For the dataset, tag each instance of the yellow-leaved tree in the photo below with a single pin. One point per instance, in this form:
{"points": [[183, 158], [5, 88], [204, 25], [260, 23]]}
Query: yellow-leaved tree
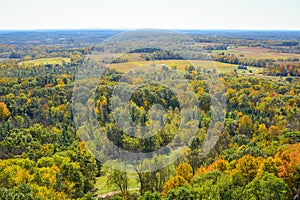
{"points": [[185, 170], [4, 112], [174, 182]]}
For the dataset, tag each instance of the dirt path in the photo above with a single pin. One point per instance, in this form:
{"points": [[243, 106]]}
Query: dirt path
{"points": [[110, 194]]}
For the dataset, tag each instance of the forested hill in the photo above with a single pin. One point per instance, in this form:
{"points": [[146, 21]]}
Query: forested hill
{"points": [[56, 37], [44, 155]]}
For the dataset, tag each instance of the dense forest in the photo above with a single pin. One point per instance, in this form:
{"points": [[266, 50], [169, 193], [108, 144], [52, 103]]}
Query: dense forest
{"points": [[43, 154]]}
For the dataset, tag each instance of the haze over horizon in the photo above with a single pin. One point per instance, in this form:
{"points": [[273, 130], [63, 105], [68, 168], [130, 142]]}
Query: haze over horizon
{"points": [[134, 14]]}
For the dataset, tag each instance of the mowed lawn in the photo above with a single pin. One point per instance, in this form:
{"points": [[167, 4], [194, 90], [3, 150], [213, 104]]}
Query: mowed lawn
{"points": [[44, 61], [103, 187]]}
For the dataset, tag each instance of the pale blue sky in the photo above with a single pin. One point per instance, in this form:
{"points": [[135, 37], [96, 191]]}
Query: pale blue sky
{"points": [[167, 14]]}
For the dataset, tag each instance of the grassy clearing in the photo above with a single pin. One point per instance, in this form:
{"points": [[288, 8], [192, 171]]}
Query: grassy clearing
{"points": [[103, 187], [43, 61], [255, 70], [219, 51], [126, 67], [180, 64], [114, 56]]}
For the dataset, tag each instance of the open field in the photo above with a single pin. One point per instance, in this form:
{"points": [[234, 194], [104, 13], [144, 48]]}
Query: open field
{"points": [[114, 56], [103, 187], [181, 65], [209, 44], [256, 53], [41, 61]]}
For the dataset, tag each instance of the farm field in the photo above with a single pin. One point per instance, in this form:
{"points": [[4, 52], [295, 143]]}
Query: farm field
{"points": [[181, 65], [44, 61], [256, 53]]}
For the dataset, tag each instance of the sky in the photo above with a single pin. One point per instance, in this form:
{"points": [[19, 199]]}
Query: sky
{"points": [[164, 14]]}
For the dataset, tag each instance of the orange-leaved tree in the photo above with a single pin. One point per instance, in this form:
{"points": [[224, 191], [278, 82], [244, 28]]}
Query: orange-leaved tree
{"points": [[289, 169]]}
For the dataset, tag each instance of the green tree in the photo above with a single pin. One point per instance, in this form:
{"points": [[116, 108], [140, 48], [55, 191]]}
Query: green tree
{"points": [[150, 196], [182, 193], [117, 178], [266, 187]]}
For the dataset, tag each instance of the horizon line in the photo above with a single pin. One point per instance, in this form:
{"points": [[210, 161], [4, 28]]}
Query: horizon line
{"points": [[128, 29]]}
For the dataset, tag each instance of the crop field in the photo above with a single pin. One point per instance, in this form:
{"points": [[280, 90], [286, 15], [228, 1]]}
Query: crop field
{"points": [[43, 61], [114, 56], [181, 65], [256, 53]]}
